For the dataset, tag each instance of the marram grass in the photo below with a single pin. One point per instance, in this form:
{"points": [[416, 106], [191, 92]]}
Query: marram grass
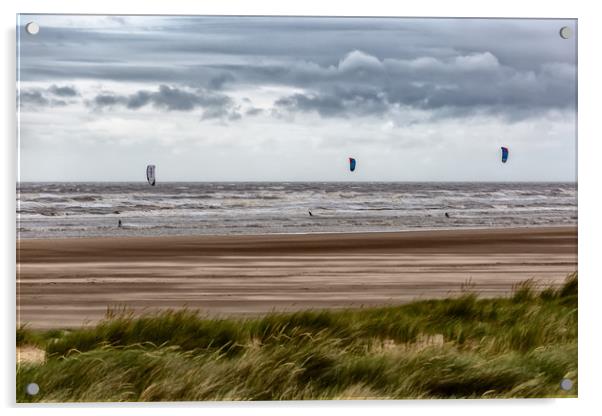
{"points": [[462, 347]]}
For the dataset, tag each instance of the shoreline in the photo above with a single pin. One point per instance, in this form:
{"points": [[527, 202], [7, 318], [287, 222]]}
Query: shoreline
{"points": [[316, 233], [70, 282]]}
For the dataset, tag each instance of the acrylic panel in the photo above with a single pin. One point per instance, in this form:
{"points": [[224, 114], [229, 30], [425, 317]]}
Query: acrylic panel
{"points": [[295, 208]]}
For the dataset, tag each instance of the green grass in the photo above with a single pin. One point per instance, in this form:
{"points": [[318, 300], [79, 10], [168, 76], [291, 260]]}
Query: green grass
{"points": [[519, 346]]}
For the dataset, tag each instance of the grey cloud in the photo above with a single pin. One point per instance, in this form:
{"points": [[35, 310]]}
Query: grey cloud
{"points": [[137, 100], [221, 113], [339, 103], [64, 91], [175, 45], [358, 61], [253, 111], [58, 103], [172, 99], [33, 98], [213, 113], [323, 105], [345, 66], [177, 99], [166, 98], [234, 115], [40, 97], [217, 83], [107, 100], [364, 85]]}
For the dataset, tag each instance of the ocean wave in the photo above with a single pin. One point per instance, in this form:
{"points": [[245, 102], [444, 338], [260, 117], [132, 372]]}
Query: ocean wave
{"points": [[84, 198], [93, 209]]}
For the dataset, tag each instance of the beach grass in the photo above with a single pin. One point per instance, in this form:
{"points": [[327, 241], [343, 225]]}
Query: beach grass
{"points": [[460, 347]]}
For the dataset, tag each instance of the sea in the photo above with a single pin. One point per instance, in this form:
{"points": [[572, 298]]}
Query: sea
{"points": [[69, 209]]}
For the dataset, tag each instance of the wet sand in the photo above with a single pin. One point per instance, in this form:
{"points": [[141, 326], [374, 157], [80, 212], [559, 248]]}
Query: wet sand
{"points": [[70, 282]]}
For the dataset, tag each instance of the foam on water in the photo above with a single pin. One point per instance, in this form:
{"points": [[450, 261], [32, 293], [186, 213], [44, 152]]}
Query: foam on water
{"points": [[48, 210]]}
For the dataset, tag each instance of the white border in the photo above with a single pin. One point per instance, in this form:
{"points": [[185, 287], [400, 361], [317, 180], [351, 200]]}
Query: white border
{"points": [[589, 187]]}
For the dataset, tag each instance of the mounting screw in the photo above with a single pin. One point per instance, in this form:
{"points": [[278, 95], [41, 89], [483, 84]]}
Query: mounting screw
{"points": [[32, 28]]}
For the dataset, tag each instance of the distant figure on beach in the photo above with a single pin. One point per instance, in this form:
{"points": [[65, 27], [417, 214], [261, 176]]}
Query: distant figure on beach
{"points": [[446, 215], [119, 224], [310, 214]]}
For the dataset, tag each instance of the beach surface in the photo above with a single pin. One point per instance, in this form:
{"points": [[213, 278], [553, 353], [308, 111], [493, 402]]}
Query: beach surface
{"points": [[72, 282]]}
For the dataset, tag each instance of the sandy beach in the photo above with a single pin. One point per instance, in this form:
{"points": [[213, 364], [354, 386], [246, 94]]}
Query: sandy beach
{"points": [[70, 282]]}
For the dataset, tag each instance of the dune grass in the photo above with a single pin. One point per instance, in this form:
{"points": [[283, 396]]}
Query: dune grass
{"points": [[518, 346]]}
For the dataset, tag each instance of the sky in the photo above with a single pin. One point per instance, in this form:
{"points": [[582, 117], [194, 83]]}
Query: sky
{"points": [[292, 98]]}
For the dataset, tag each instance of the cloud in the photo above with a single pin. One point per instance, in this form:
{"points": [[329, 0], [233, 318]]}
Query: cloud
{"points": [[323, 105], [460, 85], [64, 91], [339, 103], [35, 98], [174, 99], [108, 100], [218, 82], [137, 100], [358, 61], [165, 98], [221, 113], [477, 61], [254, 111], [361, 84], [460, 66], [40, 97], [214, 106]]}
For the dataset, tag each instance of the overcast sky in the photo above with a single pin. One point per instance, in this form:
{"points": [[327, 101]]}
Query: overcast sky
{"points": [[234, 98]]}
